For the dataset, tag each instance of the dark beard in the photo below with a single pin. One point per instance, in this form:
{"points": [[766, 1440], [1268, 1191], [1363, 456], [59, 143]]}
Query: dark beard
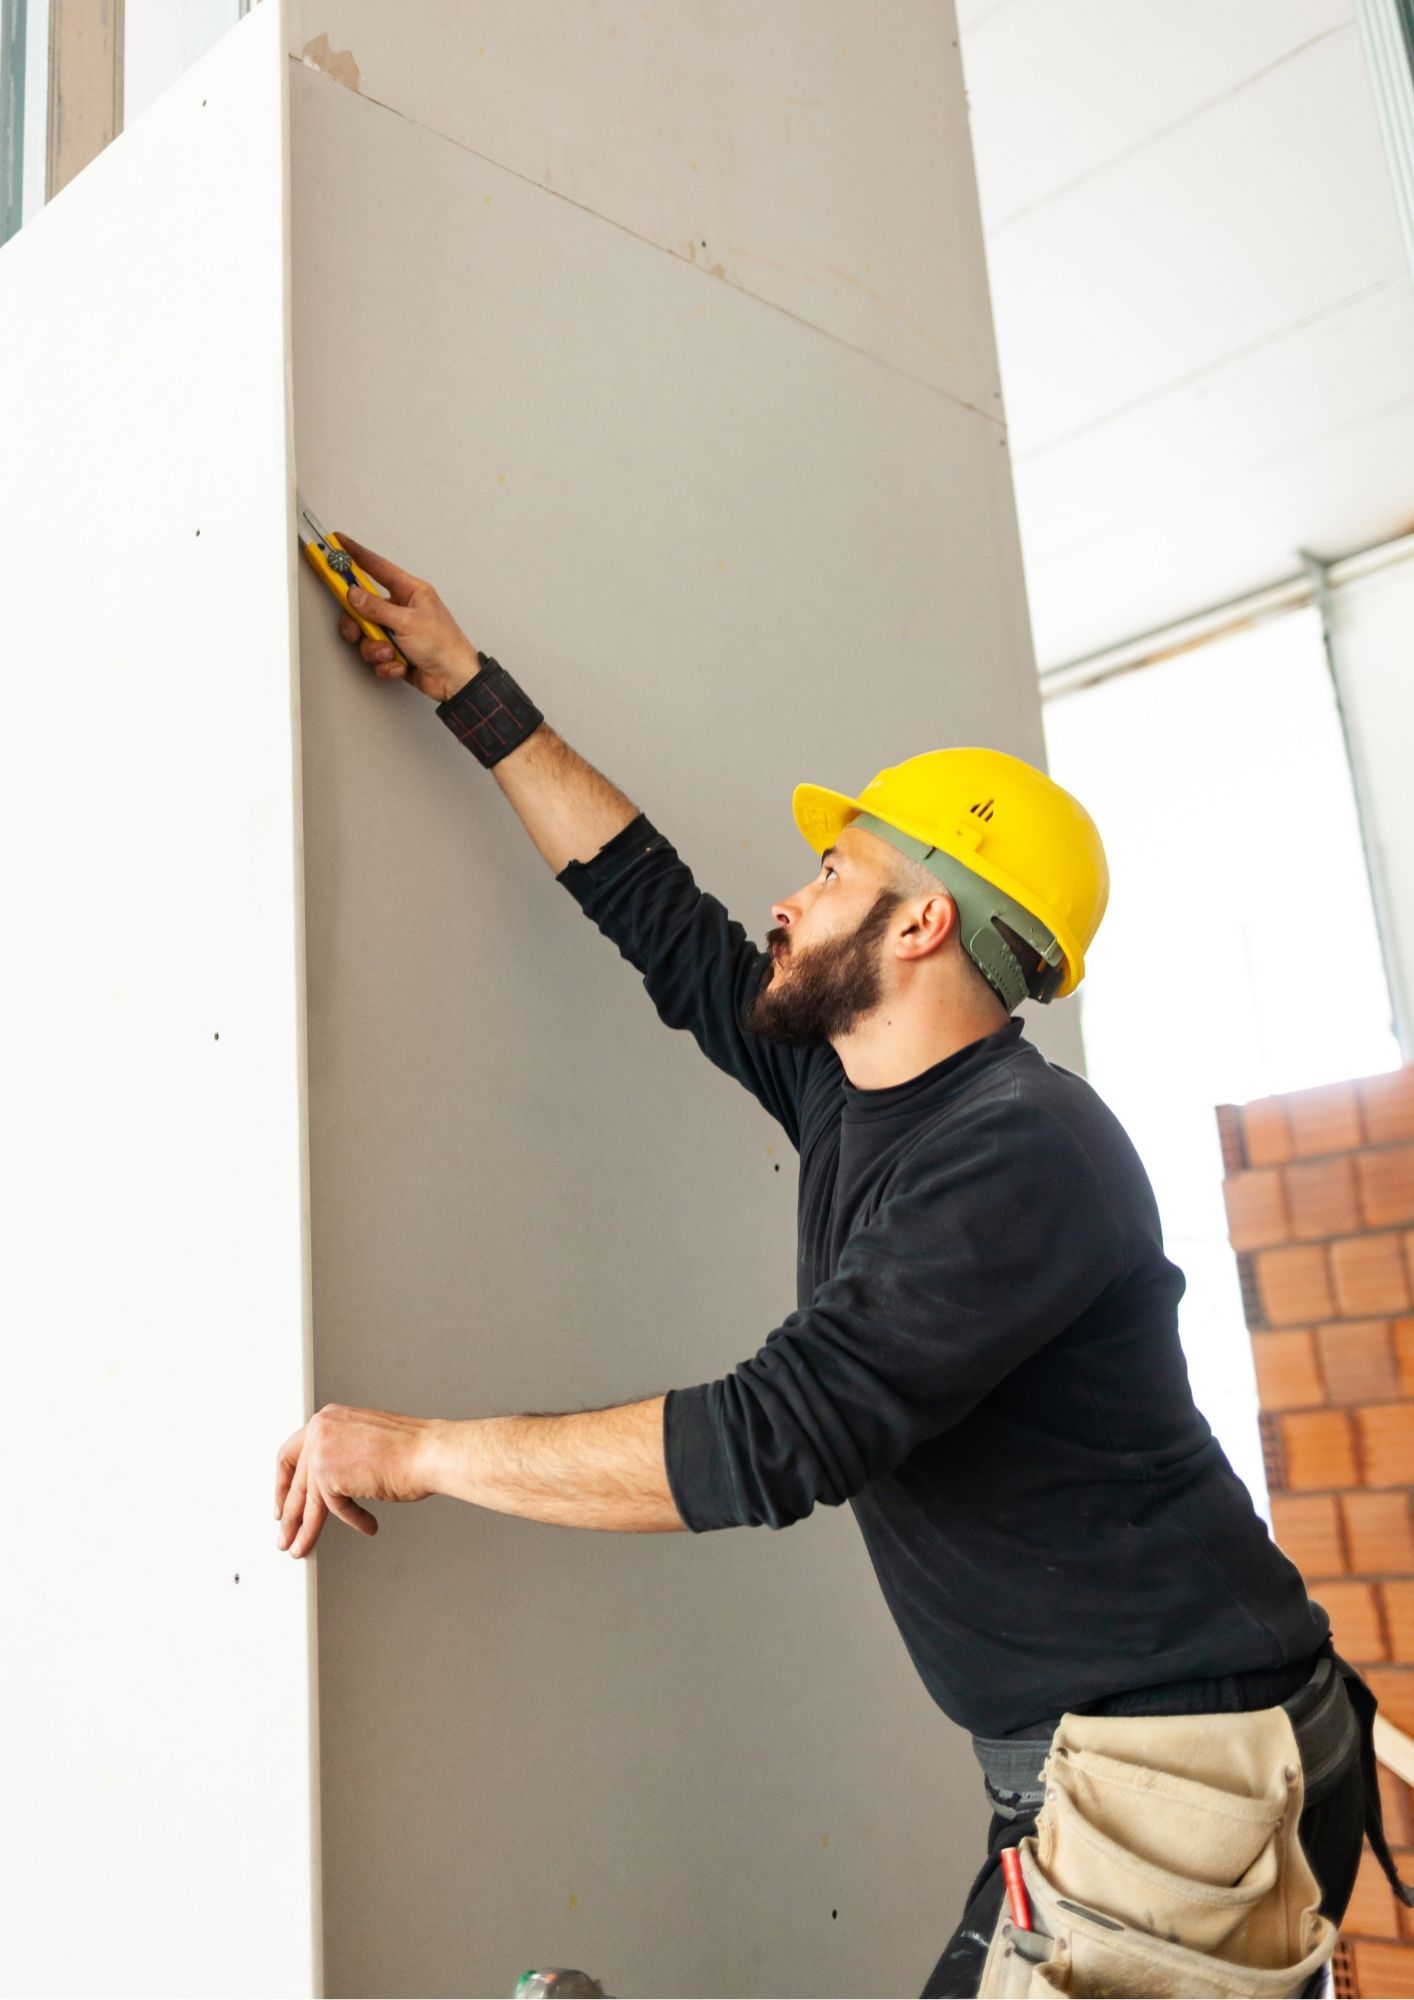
{"points": [[828, 987]]}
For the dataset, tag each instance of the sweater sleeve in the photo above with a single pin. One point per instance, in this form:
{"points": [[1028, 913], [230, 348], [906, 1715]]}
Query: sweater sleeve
{"points": [[975, 1258], [698, 965]]}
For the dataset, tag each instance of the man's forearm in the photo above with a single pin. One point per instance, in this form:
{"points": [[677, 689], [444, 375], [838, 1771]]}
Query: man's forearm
{"points": [[586, 1469], [567, 807]]}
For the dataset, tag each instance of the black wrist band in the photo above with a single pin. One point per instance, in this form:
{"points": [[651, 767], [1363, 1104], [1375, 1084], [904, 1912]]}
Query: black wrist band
{"points": [[491, 715]]}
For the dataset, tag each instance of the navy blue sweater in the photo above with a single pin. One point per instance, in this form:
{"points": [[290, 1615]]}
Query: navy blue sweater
{"points": [[983, 1361]]}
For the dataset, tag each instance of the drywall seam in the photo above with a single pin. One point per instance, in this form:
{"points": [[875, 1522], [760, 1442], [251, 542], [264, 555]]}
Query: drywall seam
{"points": [[347, 75]]}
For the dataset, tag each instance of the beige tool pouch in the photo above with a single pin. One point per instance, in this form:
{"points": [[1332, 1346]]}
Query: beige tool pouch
{"points": [[1166, 1861]]}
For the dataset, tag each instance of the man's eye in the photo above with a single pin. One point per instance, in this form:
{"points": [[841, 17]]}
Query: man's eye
{"points": [[826, 869]]}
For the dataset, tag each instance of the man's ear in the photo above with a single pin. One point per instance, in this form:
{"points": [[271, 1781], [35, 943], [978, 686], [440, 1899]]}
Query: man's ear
{"points": [[934, 924]]}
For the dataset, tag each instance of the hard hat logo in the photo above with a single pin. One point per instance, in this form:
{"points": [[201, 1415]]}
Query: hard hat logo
{"points": [[1014, 850]]}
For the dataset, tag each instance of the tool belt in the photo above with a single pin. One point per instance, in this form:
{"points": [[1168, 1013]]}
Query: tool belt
{"points": [[1166, 1857]]}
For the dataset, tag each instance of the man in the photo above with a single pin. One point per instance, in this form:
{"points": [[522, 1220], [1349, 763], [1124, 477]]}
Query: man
{"points": [[984, 1360]]}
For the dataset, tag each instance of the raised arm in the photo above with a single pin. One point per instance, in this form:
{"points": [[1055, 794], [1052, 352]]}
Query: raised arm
{"points": [[566, 806], [699, 967]]}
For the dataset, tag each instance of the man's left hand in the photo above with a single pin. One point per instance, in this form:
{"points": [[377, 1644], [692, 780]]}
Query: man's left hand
{"points": [[339, 1453]]}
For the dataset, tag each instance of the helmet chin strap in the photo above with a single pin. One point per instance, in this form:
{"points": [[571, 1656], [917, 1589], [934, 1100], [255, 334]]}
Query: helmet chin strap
{"points": [[978, 903]]}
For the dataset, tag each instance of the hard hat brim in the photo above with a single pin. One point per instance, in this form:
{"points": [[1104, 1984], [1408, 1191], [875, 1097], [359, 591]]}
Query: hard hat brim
{"points": [[822, 815]]}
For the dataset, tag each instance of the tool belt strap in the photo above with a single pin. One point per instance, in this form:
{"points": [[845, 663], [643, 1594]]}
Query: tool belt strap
{"points": [[1333, 1716], [1322, 1717]]}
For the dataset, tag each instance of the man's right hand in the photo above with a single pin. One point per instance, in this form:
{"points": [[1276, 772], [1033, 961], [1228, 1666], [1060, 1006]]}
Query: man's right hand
{"points": [[441, 659]]}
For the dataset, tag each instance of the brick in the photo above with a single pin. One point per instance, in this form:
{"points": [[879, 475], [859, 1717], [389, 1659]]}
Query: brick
{"points": [[1323, 1198], [1325, 1120], [1294, 1286], [1369, 1275], [1383, 1971], [1393, 1689], [1319, 1449], [1306, 1528], [1372, 1911], [1256, 1210], [1396, 1807], [1398, 1600], [1388, 1106], [1287, 1377], [1386, 1187], [1266, 1136], [1379, 1532], [1386, 1443], [1357, 1360], [1354, 1612]]}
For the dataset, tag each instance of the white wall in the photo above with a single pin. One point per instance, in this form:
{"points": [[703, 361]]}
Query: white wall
{"points": [[1203, 304], [156, 1821], [734, 531]]}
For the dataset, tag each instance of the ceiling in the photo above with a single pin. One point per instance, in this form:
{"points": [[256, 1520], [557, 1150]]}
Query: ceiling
{"points": [[1204, 314]]}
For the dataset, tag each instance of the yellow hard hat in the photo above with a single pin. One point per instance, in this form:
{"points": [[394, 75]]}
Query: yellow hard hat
{"points": [[985, 815]]}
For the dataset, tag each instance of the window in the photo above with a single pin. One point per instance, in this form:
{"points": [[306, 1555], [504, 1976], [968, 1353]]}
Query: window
{"points": [[24, 84], [1239, 954], [107, 75]]}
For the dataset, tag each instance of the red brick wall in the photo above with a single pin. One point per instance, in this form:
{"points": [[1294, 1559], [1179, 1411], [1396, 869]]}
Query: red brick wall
{"points": [[1320, 1204]]}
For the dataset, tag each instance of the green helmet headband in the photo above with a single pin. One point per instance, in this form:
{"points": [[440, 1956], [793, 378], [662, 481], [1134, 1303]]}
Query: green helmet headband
{"points": [[979, 902]]}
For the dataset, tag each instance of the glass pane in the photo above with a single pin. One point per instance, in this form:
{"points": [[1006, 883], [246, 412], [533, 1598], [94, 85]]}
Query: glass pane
{"points": [[204, 22], [36, 103], [163, 38]]}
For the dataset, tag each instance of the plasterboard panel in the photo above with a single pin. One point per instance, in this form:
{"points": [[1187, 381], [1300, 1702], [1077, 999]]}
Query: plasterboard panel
{"points": [[1056, 93], [157, 1811], [812, 153], [1195, 250], [727, 552], [1210, 490]]}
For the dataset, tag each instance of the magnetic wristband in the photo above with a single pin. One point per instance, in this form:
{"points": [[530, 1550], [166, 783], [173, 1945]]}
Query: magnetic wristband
{"points": [[491, 715]]}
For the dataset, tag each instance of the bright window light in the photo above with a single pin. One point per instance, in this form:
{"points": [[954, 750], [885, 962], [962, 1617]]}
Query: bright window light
{"points": [[1238, 956]]}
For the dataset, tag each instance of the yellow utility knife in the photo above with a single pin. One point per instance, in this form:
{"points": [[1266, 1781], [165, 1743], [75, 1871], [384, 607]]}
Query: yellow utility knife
{"points": [[336, 568]]}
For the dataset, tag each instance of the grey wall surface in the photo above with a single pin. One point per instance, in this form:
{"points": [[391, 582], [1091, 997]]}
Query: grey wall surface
{"points": [[811, 153], [727, 550]]}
